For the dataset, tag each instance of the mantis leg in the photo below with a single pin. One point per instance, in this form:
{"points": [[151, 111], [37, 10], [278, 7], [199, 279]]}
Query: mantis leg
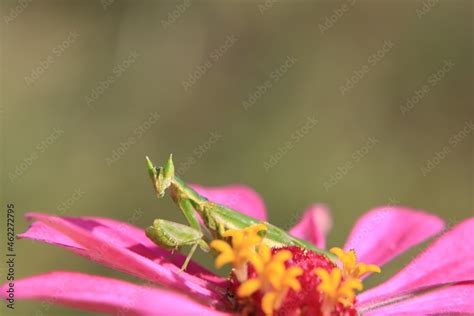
{"points": [[188, 258], [188, 211], [204, 247]]}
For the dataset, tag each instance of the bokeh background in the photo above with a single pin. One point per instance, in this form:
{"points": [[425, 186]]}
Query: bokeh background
{"points": [[354, 104]]}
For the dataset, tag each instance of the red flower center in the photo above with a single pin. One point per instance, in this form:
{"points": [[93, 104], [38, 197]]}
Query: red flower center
{"points": [[307, 301], [288, 280]]}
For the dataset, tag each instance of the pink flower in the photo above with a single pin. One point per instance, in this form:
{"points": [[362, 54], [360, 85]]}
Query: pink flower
{"points": [[439, 281]]}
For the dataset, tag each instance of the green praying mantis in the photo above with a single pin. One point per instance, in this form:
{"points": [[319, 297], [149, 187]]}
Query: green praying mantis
{"points": [[216, 218]]}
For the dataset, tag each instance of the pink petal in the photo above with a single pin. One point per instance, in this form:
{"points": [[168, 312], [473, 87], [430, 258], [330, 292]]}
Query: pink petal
{"points": [[448, 259], [115, 248], [452, 299], [138, 236], [314, 225], [386, 232], [238, 197], [124, 234], [95, 293]]}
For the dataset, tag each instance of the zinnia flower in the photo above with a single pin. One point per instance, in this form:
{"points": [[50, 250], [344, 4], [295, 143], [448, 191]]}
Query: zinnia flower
{"points": [[285, 281]]}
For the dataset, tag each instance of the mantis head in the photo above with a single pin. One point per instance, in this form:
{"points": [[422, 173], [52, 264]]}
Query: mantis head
{"points": [[161, 177]]}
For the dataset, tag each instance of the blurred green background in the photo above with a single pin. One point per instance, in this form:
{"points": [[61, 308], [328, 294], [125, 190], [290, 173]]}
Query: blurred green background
{"points": [[90, 87]]}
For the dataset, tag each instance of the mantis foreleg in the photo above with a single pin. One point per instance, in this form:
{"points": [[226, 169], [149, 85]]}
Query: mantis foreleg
{"points": [[188, 211], [172, 235]]}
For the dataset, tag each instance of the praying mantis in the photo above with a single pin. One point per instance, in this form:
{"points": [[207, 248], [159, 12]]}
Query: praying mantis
{"points": [[216, 218]]}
